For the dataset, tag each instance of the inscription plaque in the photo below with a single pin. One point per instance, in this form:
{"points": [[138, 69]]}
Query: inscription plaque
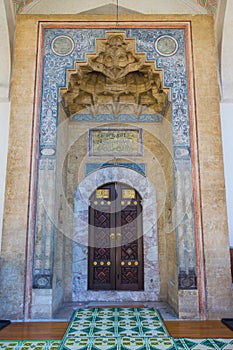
{"points": [[127, 194], [111, 142], [102, 194]]}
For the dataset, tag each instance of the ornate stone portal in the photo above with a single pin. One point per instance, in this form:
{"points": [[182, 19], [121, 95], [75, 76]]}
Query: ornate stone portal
{"points": [[115, 81], [45, 166]]}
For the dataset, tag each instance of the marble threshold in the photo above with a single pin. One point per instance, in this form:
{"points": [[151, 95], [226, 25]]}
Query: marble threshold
{"points": [[65, 312]]}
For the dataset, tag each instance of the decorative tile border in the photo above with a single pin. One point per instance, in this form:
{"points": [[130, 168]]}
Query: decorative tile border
{"points": [[121, 344], [176, 77]]}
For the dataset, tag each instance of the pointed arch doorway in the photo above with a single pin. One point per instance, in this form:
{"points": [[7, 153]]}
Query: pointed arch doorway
{"points": [[115, 247]]}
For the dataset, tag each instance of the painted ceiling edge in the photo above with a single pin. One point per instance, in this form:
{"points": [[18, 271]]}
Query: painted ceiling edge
{"points": [[209, 5]]}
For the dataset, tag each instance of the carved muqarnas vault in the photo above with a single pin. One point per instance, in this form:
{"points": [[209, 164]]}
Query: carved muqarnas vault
{"points": [[115, 81]]}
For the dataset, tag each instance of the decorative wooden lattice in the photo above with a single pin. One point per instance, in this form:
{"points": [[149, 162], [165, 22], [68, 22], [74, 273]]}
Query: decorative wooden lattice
{"points": [[115, 239]]}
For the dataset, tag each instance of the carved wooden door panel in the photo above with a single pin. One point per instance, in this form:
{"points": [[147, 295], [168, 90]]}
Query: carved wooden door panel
{"points": [[115, 253]]}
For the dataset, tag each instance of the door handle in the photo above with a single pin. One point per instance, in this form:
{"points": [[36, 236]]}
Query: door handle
{"points": [[112, 235], [118, 235]]}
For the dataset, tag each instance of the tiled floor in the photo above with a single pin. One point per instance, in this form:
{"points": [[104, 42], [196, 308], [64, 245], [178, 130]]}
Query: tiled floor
{"points": [[117, 329]]}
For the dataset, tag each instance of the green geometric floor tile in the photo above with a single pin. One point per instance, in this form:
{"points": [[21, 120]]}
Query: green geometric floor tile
{"points": [[154, 332], [92, 343], [104, 344], [73, 343], [39, 345], [104, 323], [226, 344], [30, 344], [80, 332], [128, 331], [161, 344], [82, 323], [204, 344], [104, 313], [9, 345], [128, 343], [53, 345], [179, 344], [103, 332], [207, 344]]}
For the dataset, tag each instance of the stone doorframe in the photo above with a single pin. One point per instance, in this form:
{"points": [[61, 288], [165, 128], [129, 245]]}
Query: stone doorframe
{"points": [[80, 238]]}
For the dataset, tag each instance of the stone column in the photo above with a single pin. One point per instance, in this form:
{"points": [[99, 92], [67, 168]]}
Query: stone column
{"points": [[186, 249]]}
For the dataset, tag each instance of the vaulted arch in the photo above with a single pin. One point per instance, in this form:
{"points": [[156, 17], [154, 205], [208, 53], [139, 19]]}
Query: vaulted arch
{"points": [[72, 6], [226, 69]]}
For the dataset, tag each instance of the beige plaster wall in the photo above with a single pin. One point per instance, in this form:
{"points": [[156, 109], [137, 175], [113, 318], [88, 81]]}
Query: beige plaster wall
{"points": [[213, 245], [212, 190], [13, 256]]}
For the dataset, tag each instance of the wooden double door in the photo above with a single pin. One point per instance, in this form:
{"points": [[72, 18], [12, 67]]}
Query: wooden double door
{"points": [[115, 253]]}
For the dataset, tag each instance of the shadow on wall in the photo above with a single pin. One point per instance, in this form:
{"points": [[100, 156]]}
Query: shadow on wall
{"points": [[231, 254]]}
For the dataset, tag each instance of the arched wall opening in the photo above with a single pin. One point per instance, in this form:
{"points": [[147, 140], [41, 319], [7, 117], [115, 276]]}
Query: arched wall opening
{"points": [[80, 258]]}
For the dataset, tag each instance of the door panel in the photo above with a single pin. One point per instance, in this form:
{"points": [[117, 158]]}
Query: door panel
{"points": [[101, 241], [115, 239]]}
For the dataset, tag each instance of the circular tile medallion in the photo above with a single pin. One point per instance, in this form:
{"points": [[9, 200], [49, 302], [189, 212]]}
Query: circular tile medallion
{"points": [[62, 45], [166, 45]]}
